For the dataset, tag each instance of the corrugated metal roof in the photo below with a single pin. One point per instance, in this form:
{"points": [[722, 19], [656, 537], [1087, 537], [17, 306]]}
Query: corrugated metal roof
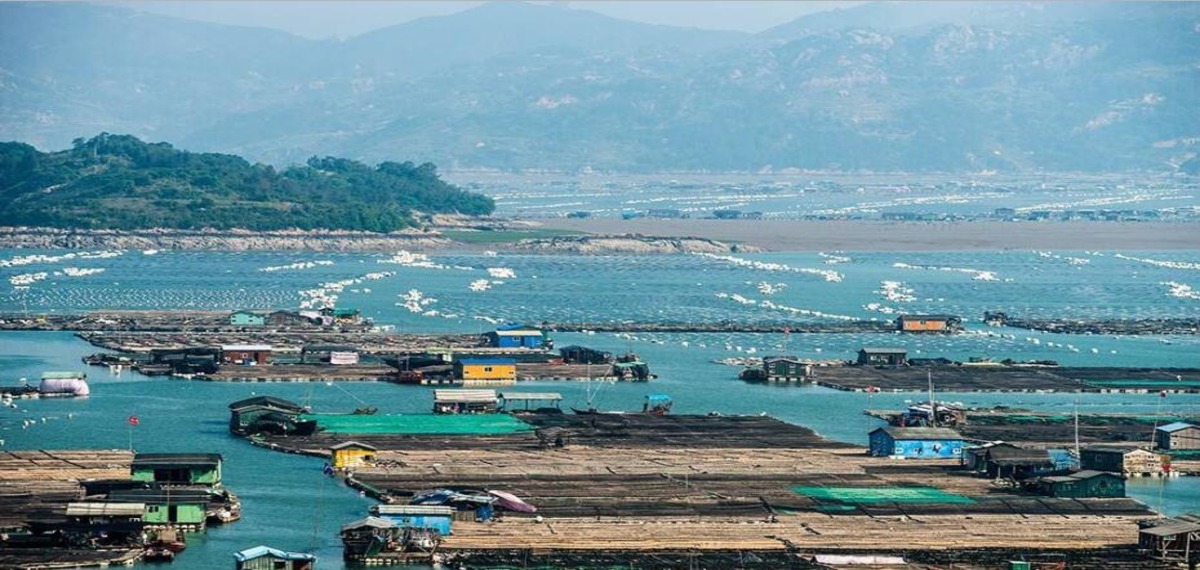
{"points": [[514, 327], [554, 396], [1172, 527], [176, 460], [519, 332], [1089, 473], [455, 396], [911, 433], [261, 551], [884, 350], [105, 509], [245, 347], [475, 361], [435, 510], [160, 496], [271, 401], [372, 522], [1175, 427], [349, 444]]}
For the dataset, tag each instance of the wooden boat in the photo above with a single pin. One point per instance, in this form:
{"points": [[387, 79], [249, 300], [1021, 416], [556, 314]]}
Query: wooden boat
{"points": [[158, 554]]}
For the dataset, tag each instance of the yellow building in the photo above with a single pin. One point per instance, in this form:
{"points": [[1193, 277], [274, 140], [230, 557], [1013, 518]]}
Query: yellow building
{"points": [[472, 369], [925, 323], [352, 454]]}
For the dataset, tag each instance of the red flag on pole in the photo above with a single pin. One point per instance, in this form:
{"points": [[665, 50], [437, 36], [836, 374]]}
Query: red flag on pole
{"points": [[133, 420]]}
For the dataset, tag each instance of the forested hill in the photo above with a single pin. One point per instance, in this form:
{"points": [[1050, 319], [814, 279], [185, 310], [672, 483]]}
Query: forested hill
{"points": [[120, 182]]}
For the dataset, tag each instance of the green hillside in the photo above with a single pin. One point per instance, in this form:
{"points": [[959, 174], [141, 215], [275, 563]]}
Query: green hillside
{"points": [[120, 182]]}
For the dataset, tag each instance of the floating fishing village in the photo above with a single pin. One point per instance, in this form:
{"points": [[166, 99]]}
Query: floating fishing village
{"points": [[517, 284], [497, 476]]}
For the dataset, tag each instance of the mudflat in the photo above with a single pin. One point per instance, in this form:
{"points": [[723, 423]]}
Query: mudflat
{"points": [[864, 235]]}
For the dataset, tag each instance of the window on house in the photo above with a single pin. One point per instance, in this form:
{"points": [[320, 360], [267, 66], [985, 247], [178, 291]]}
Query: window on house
{"points": [[487, 368]]}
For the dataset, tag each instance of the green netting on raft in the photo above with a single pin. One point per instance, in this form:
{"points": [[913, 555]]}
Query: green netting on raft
{"points": [[416, 424], [882, 495]]}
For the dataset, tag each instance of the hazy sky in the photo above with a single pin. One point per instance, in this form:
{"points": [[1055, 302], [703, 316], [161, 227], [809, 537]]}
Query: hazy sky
{"points": [[343, 19]]}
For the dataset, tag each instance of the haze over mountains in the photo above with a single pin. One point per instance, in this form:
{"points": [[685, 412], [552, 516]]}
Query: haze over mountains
{"points": [[885, 87]]}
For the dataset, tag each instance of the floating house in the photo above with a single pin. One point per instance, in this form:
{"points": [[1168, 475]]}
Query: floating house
{"points": [[631, 371], [329, 354], [927, 323], [785, 368], [266, 413], [490, 370], [530, 401], [267, 558], [177, 469], [103, 523], [368, 537], [1177, 436], [343, 316], [247, 319], [1010, 462], [882, 357], [434, 517], [64, 384], [1130, 461], [351, 454], [1172, 539], [248, 354], [465, 402], [517, 336], [191, 360], [289, 319], [975, 456], [98, 513], [186, 508], [576, 354], [1084, 484], [916, 443]]}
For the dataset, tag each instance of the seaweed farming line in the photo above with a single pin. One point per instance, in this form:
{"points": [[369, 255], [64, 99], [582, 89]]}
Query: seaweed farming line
{"points": [[215, 321]]}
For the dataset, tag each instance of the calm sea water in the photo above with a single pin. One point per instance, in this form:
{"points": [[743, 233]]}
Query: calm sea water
{"points": [[289, 504]]}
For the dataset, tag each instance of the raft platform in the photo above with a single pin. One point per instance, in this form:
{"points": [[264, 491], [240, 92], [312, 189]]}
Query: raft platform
{"points": [[718, 491], [1005, 378]]}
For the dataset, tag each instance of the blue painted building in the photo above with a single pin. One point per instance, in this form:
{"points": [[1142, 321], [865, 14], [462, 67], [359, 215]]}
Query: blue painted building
{"points": [[517, 336], [916, 443], [433, 517], [246, 318]]}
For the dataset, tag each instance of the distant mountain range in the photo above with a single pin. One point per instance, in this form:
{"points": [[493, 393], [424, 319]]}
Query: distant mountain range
{"points": [[937, 86]]}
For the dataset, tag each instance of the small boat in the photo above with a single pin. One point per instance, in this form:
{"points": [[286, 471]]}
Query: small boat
{"points": [[511, 502], [158, 554]]}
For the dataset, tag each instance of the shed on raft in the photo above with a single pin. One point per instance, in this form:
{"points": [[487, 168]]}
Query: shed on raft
{"points": [[916, 443], [177, 468], [267, 558], [351, 454]]}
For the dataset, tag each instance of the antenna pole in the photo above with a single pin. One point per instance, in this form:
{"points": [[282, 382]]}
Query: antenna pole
{"points": [[932, 402]]}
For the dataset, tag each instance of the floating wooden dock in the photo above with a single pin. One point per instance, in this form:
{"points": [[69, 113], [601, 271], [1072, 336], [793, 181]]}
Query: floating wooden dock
{"points": [[38, 485]]}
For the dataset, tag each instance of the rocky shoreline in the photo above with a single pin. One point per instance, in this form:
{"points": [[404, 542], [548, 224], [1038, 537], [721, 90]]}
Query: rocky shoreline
{"points": [[222, 240], [344, 241], [628, 243]]}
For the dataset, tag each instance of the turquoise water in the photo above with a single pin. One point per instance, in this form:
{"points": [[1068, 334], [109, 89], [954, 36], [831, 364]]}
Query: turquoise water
{"points": [[289, 504]]}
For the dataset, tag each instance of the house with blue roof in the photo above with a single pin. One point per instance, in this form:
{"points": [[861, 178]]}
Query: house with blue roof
{"points": [[267, 558], [518, 336], [1177, 436]]}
